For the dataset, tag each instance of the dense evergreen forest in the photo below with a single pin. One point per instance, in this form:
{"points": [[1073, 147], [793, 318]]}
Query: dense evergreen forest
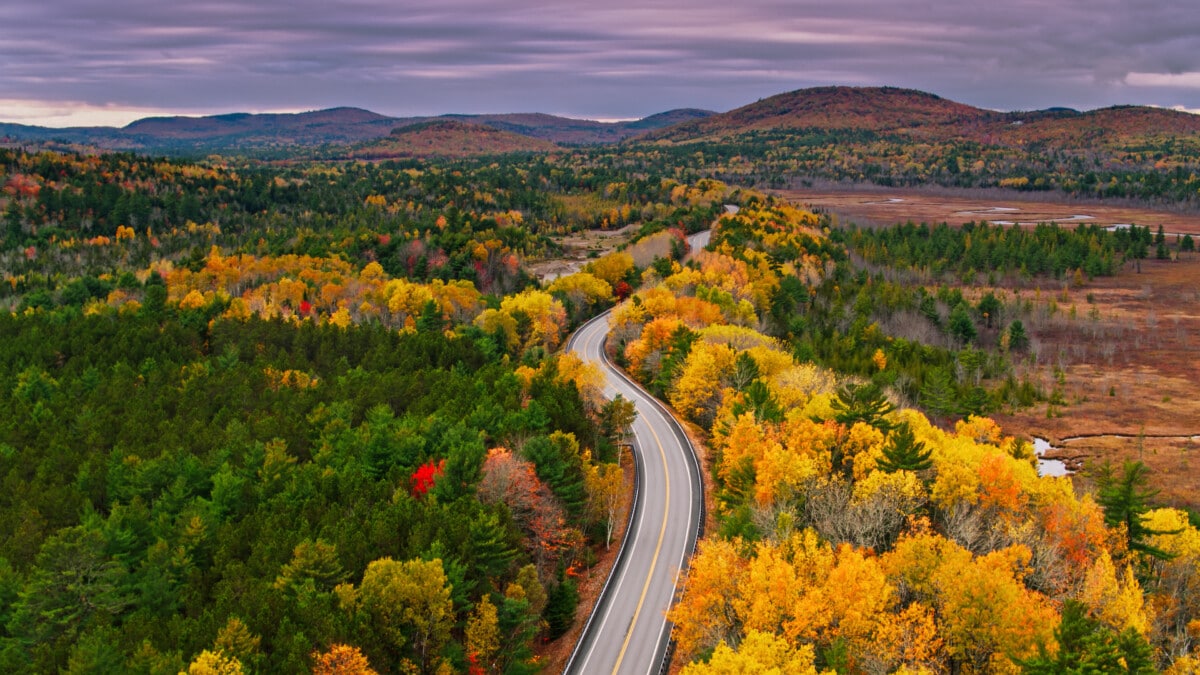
{"points": [[303, 416], [1045, 250], [174, 486]]}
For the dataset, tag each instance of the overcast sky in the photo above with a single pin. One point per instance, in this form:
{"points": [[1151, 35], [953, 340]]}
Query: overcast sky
{"points": [[76, 62]]}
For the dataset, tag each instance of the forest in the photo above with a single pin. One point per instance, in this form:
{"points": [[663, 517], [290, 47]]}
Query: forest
{"points": [[1160, 170], [327, 426], [1047, 249], [257, 489], [858, 536], [302, 416]]}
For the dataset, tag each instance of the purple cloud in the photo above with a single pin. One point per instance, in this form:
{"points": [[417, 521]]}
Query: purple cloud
{"points": [[615, 59]]}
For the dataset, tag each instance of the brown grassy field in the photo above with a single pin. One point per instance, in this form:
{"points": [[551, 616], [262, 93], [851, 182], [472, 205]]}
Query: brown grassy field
{"points": [[879, 206], [1126, 346]]}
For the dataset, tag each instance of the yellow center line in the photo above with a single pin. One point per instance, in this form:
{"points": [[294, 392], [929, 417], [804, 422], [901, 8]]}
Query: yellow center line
{"points": [[657, 549]]}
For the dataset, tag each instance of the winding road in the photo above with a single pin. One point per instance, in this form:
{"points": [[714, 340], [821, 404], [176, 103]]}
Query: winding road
{"points": [[628, 631]]}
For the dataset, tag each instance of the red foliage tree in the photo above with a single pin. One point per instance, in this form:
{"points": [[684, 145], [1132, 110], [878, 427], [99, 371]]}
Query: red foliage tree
{"points": [[424, 477], [512, 480]]}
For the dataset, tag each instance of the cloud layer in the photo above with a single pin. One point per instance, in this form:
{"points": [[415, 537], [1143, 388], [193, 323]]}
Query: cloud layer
{"points": [[618, 58]]}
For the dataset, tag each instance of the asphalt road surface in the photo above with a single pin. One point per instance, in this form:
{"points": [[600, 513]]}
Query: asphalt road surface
{"points": [[628, 631]]}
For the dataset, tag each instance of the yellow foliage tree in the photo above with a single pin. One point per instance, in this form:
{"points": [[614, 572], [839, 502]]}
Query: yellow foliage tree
{"points": [[459, 300], [495, 321], [193, 300], [843, 602], [758, 654], [909, 642], [403, 300], [236, 640], [704, 615], [793, 386], [1114, 596], [612, 268], [340, 318], [483, 635], [987, 615], [697, 393], [545, 315], [341, 659], [782, 472], [586, 376], [769, 582], [658, 302], [605, 488], [214, 663], [410, 604], [583, 289]]}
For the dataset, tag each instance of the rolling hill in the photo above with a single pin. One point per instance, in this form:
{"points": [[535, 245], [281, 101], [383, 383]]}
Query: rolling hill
{"points": [[835, 108], [239, 132], [920, 116], [845, 120], [448, 138]]}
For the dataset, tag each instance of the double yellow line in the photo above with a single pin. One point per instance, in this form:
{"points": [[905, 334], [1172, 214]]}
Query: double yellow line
{"points": [[657, 549]]}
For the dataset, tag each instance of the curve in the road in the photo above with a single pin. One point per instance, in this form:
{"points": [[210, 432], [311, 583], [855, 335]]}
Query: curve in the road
{"points": [[627, 631]]}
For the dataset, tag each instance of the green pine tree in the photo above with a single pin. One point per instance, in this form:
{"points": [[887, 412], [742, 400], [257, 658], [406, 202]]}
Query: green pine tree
{"points": [[938, 394], [759, 400], [431, 318], [989, 308], [862, 403], [905, 452], [961, 325], [560, 606], [1018, 339], [1086, 646], [1125, 500]]}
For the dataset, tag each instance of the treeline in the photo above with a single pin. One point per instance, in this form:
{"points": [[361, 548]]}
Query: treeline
{"points": [[1047, 249], [179, 488], [1160, 172]]}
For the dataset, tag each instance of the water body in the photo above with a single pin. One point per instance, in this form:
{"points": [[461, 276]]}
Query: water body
{"points": [[1048, 467], [1190, 437], [1077, 218], [984, 212]]}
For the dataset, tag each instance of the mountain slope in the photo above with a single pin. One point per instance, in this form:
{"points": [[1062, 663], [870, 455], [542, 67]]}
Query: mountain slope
{"points": [[926, 117], [332, 125], [448, 138], [834, 108], [583, 132]]}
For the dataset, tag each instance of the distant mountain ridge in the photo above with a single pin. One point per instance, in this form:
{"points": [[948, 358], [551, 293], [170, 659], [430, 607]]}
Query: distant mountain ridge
{"points": [[337, 126], [348, 122], [884, 111], [924, 116]]}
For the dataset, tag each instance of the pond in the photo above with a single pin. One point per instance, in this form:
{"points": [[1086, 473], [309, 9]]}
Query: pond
{"points": [[1048, 467]]}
